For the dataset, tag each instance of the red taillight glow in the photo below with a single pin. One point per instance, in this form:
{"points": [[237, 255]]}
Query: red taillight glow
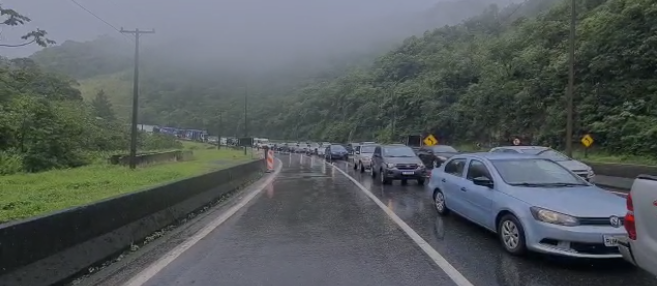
{"points": [[630, 225]]}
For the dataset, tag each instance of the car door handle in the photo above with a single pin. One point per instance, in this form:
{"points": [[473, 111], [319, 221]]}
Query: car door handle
{"points": [[463, 189], [443, 180]]}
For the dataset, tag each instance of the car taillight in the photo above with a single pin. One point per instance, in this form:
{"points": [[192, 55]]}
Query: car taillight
{"points": [[630, 224]]}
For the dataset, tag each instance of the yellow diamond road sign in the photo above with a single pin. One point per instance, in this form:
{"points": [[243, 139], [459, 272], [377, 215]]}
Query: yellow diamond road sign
{"points": [[587, 140], [430, 140]]}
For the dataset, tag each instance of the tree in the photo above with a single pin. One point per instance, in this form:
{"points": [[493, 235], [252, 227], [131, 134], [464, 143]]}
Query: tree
{"points": [[13, 19], [102, 107]]}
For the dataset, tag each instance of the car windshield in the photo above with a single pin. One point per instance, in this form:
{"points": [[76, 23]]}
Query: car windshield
{"points": [[554, 155], [367, 149], [535, 173], [444, 148], [338, 148], [400, 151]]}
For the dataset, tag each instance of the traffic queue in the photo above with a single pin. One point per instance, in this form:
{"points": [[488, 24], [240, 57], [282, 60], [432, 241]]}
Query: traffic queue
{"points": [[533, 198]]}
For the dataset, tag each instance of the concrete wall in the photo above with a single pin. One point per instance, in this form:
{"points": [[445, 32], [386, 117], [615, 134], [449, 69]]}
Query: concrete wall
{"points": [[50, 248]]}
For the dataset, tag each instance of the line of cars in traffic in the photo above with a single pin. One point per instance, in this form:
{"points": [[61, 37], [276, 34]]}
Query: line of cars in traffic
{"points": [[547, 204], [533, 198]]}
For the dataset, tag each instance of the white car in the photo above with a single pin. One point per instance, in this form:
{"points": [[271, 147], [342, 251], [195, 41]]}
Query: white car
{"points": [[640, 245], [362, 158], [577, 167]]}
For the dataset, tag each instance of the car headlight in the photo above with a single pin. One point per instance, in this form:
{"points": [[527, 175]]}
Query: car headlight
{"points": [[590, 174], [390, 165], [441, 158], [421, 167], [553, 217]]}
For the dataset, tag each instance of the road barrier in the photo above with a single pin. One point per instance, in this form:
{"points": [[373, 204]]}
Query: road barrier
{"points": [[52, 248], [155, 157], [622, 170], [270, 160]]}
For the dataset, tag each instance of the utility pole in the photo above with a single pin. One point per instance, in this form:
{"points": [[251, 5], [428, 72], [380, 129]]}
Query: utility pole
{"points": [[135, 96], [246, 129], [394, 116], [220, 130], [571, 82]]}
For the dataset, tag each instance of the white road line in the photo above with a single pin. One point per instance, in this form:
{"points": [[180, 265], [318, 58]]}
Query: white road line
{"points": [[437, 258], [157, 266]]}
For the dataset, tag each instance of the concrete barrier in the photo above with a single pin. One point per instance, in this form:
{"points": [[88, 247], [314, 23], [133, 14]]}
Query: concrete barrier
{"points": [[54, 247], [151, 158], [622, 170]]}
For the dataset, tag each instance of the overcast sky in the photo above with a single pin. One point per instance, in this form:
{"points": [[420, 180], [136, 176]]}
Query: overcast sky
{"points": [[239, 28]]}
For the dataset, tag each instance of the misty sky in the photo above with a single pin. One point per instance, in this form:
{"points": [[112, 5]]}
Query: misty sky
{"points": [[254, 29]]}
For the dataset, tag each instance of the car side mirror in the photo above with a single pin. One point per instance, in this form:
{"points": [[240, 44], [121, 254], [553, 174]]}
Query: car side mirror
{"points": [[357, 152], [483, 181]]}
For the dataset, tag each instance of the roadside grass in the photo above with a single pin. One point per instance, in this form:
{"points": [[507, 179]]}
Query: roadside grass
{"points": [[28, 195], [592, 156]]}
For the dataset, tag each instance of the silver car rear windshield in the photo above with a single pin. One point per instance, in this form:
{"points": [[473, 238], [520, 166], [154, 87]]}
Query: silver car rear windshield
{"points": [[367, 149], [535, 172]]}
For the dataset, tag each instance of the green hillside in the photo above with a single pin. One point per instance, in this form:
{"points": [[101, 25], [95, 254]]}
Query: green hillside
{"points": [[502, 73]]}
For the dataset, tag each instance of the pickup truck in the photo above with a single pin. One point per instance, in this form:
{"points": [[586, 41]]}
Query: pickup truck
{"points": [[640, 245]]}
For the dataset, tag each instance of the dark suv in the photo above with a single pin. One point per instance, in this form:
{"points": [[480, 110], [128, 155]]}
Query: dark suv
{"points": [[397, 162]]}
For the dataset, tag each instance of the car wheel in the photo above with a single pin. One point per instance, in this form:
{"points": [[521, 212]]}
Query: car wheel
{"points": [[384, 180], [355, 166], [439, 203], [512, 235], [362, 167], [373, 173], [420, 182]]}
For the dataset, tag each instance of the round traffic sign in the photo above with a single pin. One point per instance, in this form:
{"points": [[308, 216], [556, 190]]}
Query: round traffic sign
{"points": [[516, 141]]}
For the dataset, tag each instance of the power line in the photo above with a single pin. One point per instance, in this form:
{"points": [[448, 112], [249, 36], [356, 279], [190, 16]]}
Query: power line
{"points": [[98, 17]]}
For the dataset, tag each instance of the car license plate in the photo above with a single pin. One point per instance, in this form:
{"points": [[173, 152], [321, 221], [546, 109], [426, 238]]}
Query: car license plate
{"points": [[408, 173], [611, 240]]}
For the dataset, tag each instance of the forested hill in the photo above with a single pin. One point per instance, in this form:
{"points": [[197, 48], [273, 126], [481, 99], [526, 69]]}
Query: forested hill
{"points": [[497, 76], [502, 73]]}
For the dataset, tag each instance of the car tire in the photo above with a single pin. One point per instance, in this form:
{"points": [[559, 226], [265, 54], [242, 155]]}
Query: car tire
{"points": [[362, 168], [384, 180], [373, 173], [355, 166], [512, 235], [420, 182], [439, 203]]}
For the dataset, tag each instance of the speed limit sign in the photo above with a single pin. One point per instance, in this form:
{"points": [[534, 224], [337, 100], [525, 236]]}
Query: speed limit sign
{"points": [[516, 141]]}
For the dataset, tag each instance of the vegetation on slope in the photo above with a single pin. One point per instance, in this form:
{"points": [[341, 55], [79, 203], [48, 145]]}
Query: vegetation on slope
{"points": [[44, 122], [498, 75]]}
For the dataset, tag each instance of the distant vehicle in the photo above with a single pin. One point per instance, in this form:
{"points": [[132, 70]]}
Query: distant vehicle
{"points": [[577, 167], [434, 156], [397, 162], [312, 149], [336, 152], [362, 158], [351, 147], [639, 246], [531, 203]]}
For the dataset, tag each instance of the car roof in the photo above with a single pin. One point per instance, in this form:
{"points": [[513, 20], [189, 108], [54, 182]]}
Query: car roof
{"points": [[523, 147], [495, 156], [394, 145]]}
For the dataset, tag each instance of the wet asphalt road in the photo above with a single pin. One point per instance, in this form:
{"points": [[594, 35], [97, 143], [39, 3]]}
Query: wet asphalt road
{"points": [[315, 227], [312, 226]]}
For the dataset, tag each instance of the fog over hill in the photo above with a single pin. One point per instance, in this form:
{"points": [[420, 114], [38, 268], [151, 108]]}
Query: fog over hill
{"points": [[246, 32]]}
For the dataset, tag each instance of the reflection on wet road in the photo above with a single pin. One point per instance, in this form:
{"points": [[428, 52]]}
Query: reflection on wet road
{"points": [[314, 226], [477, 254], [311, 226]]}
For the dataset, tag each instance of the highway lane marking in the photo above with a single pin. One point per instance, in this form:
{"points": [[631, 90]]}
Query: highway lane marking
{"points": [[437, 258], [142, 277]]}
